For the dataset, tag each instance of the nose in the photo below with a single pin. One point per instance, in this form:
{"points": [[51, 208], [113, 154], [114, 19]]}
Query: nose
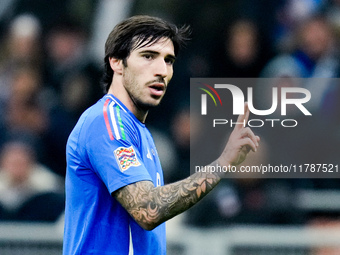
{"points": [[161, 68]]}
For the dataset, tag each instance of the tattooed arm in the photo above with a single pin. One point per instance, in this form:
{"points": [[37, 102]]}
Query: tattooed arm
{"points": [[151, 206]]}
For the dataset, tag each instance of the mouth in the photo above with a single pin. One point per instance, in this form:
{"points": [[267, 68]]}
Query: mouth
{"points": [[157, 89]]}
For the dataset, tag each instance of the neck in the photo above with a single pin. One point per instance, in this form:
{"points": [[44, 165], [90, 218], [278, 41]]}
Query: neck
{"points": [[118, 90]]}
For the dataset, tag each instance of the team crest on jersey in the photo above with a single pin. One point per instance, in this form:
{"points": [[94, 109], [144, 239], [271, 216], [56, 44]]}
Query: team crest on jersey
{"points": [[126, 157]]}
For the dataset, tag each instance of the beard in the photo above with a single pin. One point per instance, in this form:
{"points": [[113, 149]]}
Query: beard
{"points": [[139, 93]]}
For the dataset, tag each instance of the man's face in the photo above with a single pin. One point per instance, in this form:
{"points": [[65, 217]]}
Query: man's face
{"points": [[148, 72], [316, 39]]}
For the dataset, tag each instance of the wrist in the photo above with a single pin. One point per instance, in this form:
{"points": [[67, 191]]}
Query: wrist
{"points": [[222, 162], [220, 166]]}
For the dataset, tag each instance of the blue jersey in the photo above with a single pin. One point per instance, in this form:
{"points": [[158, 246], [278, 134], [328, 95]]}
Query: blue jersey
{"points": [[109, 148]]}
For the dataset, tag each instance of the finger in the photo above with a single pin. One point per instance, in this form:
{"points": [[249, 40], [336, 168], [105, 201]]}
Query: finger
{"points": [[249, 143], [243, 119], [247, 132]]}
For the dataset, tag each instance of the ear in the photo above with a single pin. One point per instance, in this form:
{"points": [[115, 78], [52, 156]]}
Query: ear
{"points": [[116, 65]]}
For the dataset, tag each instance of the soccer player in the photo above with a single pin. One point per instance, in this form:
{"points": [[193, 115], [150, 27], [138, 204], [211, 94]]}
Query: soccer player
{"points": [[114, 182]]}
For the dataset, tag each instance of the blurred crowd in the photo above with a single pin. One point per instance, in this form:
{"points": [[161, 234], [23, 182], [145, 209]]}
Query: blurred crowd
{"points": [[50, 73]]}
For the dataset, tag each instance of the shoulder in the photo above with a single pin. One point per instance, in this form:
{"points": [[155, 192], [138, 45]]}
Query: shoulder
{"points": [[106, 122], [120, 123]]}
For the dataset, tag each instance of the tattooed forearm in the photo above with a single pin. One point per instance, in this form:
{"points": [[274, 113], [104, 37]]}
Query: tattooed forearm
{"points": [[151, 206]]}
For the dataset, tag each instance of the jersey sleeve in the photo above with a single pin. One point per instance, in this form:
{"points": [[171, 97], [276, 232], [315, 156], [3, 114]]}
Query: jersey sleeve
{"points": [[114, 151]]}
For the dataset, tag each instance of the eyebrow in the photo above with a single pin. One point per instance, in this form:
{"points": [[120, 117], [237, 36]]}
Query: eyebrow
{"points": [[171, 56]]}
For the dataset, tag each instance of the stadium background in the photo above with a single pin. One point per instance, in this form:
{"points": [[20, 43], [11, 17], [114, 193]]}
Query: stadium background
{"points": [[50, 69]]}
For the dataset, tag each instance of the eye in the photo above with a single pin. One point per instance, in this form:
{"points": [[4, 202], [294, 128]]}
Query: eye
{"points": [[148, 56], [169, 61]]}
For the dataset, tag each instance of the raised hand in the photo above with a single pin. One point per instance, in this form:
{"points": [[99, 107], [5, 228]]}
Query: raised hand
{"points": [[240, 142]]}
